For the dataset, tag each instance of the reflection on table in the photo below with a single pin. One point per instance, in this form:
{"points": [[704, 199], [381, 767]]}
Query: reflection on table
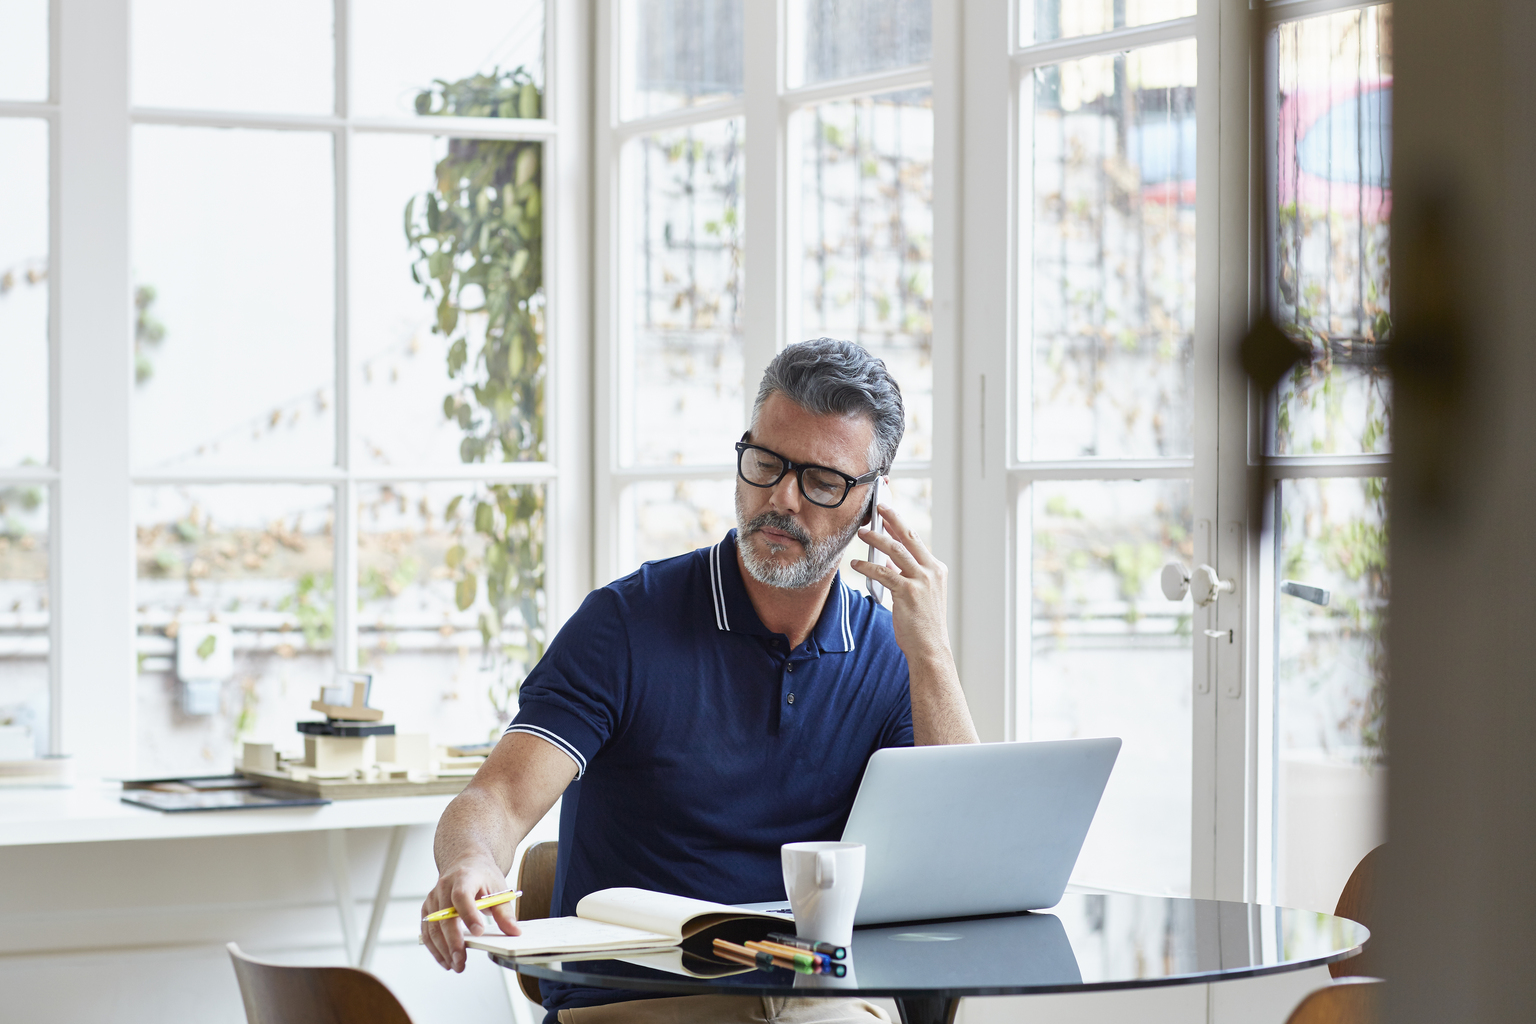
{"points": [[1086, 941]]}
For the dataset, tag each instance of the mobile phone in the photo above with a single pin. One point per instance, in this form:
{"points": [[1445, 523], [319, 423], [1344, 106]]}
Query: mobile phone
{"points": [[877, 524]]}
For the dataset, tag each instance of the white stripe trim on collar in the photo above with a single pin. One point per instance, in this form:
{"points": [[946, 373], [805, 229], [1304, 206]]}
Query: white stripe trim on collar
{"points": [[555, 740], [848, 596], [717, 589]]}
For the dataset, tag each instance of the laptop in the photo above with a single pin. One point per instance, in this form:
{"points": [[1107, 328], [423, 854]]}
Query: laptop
{"points": [[985, 828]]}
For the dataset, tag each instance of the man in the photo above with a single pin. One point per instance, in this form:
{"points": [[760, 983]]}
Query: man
{"points": [[708, 708]]}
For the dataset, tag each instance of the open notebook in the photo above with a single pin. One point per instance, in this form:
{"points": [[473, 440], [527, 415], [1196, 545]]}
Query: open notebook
{"points": [[629, 920]]}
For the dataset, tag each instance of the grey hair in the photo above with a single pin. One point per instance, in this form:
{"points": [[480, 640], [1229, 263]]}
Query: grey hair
{"points": [[839, 378]]}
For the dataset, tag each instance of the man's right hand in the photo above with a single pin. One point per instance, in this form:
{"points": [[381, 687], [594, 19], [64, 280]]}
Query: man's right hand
{"points": [[478, 835], [459, 887]]}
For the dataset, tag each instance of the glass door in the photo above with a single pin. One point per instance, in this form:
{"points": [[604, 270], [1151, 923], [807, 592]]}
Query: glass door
{"points": [[1107, 431], [1323, 745]]}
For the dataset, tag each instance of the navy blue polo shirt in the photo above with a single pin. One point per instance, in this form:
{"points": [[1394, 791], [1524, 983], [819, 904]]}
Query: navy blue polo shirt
{"points": [[703, 743]]}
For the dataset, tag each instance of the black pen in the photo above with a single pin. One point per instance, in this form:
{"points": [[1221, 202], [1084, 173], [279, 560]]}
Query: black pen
{"points": [[825, 948]]}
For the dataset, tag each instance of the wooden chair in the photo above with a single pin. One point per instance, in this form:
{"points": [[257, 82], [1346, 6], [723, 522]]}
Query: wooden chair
{"points": [[1348, 1001], [536, 878], [1358, 903], [275, 994]]}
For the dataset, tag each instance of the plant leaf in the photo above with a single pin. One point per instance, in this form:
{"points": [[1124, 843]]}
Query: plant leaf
{"points": [[464, 591]]}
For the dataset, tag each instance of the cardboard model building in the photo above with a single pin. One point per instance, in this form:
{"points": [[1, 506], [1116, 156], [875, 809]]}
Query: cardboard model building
{"points": [[355, 753], [352, 688]]}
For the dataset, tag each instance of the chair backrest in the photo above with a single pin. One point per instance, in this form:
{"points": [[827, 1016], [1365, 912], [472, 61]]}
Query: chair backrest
{"points": [[1358, 903], [536, 878], [1347, 1001], [275, 994]]}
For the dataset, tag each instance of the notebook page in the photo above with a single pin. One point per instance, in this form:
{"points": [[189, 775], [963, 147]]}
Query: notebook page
{"points": [[556, 934], [646, 910]]}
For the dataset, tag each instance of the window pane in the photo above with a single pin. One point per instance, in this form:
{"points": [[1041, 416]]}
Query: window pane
{"points": [[1109, 655], [1333, 153], [258, 55], [257, 560], [659, 519], [866, 233], [1330, 699], [24, 292], [24, 51], [678, 53], [236, 299], [843, 38], [681, 357], [393, 59], [1041, 21], [421, 396], [452, 602], [1109, 321], [24, 621]]}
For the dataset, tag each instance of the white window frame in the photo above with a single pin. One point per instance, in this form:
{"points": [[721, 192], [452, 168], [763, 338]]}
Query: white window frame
{"points": [[93, 670], [771, 297]]}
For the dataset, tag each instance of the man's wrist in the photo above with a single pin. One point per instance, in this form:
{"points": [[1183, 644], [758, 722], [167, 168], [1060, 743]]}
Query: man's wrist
{"points": [[935, 661], [470, 861]]}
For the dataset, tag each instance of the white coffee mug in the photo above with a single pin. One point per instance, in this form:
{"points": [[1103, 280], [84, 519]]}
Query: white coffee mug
{"points": [[823, 881]]}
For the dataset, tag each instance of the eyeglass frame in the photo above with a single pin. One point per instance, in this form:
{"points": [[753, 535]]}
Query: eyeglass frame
{"points": [[799, 468]]}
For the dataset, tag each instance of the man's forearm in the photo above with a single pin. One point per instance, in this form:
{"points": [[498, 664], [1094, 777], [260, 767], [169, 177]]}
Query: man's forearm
{"points": [[478, 824], [940, 714], [516, 786]]}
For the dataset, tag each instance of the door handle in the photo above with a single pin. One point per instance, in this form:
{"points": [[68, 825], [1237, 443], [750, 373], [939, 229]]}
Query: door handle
{"points": [[1204, 585]]}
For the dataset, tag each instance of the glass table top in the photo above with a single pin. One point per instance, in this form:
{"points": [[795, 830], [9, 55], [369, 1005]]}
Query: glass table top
{"points": [[1087, 941]]}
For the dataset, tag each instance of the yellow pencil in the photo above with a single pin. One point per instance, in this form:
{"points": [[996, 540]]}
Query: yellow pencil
{"points": [[495, 899]]}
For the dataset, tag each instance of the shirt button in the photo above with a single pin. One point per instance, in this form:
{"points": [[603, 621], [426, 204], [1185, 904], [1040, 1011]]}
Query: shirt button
{"points": [[790, 667], [790, 699]]}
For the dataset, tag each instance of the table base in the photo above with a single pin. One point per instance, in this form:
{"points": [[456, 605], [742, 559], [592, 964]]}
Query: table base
{"points": [[928, 1010]]}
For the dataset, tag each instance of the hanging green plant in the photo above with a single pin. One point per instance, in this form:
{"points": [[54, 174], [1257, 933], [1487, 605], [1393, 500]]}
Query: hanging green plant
{"points": [[477, 251]]}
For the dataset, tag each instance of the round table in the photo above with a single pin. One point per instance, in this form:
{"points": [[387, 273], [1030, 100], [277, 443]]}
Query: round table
{"points": [[1086, 942]]}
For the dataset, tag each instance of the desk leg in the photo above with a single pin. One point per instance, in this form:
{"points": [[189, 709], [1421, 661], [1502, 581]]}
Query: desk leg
{"points": [[935, 1010], [381, 898], [341, 877]]}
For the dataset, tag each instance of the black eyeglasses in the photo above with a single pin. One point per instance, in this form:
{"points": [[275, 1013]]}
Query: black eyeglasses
{"points": [[821, 485]]}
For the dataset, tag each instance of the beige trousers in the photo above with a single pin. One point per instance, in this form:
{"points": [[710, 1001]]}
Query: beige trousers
{"points": [[728, 1010]]}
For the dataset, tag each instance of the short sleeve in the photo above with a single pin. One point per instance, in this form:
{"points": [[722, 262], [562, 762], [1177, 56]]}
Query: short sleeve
{"points": [[897, 731], [574, 697]]}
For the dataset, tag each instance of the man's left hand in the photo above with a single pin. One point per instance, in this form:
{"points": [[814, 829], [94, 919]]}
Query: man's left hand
{"points": [[918, 584]]}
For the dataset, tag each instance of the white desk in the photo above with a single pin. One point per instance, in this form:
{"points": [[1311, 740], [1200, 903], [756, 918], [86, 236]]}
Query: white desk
{"points": [[92, 813]]}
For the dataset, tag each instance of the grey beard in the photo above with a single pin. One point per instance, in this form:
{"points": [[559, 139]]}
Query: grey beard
{"points": [[820, 557]]}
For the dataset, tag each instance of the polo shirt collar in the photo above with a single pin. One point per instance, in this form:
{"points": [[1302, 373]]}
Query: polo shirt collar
{"points": [[734, 612]]}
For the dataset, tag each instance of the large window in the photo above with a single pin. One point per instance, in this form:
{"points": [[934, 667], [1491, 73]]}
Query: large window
{"points": [[27, 494], [339, 413], [344, 427], [330, 402], [845, 184]]}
